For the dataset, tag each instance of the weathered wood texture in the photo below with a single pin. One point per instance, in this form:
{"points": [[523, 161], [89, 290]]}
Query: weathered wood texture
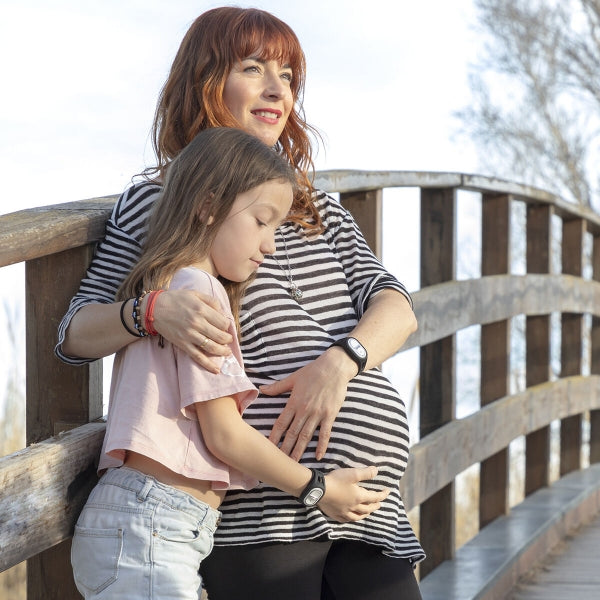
{"points": [[571, 571], [495, 353], [42, 490], [437, 370], [438, 458], [571, 356], [538, 340], [366, 207], [448, 307], [38, 232]]}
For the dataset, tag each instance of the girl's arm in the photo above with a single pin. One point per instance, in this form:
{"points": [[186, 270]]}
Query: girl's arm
{"points": [[319, 388], [239, 445]]}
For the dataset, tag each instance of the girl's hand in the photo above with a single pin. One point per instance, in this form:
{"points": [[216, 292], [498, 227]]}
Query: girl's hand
{"points": [[317, 391], [345, 500], [194, 323]]}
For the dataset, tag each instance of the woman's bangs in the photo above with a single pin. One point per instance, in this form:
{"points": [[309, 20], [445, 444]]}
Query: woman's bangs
{"points": [[273, 44]]}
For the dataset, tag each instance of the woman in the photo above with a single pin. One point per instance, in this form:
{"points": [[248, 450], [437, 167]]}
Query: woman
{"points": [[320, 315]]}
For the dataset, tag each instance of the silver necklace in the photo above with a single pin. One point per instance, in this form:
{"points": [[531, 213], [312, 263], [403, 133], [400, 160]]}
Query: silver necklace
{"points": [[295, 291]]}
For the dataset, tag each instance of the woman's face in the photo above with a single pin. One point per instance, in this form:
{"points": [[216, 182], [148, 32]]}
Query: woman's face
{"points": [[258, 94]]}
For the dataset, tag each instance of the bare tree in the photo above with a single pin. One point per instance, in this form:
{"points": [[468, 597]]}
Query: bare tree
{"points": [[536, 94]]}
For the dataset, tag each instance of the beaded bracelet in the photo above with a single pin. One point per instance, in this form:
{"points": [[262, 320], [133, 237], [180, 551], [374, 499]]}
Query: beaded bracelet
{"points": [[136, 315], [128, 329]]}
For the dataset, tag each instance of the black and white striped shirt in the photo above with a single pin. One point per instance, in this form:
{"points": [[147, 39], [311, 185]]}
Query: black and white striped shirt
{"points": [[338, 274]]}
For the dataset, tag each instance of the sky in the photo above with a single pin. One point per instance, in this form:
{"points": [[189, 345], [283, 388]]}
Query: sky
{"points": [[80, 80]]}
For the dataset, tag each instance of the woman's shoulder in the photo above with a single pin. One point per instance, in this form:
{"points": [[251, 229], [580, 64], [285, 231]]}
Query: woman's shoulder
{"points": [[331, 211], [135, 199]]}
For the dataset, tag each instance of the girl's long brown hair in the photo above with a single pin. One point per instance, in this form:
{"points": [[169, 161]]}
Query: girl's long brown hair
{"points": [[202, 181], [192, 98]]}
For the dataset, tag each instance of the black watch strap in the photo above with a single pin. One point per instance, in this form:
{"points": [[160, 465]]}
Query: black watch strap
{"points": [[314, 490], [355, 350]]}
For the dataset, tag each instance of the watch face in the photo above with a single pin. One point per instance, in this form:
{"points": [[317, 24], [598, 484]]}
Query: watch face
{"points": [[357, 347], [313, 497]]}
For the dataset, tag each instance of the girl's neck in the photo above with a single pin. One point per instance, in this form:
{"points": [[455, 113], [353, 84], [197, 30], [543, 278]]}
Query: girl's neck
{"points": [[207, 265]]}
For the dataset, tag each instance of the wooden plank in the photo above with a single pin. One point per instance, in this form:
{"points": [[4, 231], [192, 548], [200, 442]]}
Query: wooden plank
{"points": [[438, 372], [436, 459], [495, 353], [366, 208], [37, 232], [569, 571], [445, 308], [572, 345], [348, 180], [538, 340], [42, 490]]}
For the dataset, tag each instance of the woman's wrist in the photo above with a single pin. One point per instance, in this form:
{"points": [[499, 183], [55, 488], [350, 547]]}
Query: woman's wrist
{"points": [[341, 362]]}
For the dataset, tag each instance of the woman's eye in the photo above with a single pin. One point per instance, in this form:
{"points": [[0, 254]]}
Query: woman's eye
{"points": [[261, 223], [287, 76], [252, 69]]}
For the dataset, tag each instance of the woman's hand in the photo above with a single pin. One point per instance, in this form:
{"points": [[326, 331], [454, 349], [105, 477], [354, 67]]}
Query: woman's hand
{"points": [[193, 322], [317, 391], [345, 500]]}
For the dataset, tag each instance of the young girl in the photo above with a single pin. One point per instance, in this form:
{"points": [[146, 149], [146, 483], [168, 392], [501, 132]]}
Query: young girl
{"points": [[175, 439]]}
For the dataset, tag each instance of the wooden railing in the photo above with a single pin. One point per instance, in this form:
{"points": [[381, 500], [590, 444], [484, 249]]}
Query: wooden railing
{"points": [[43, 487]]}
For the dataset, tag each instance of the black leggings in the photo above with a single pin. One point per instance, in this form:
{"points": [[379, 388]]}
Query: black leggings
{"points": [[312, 570]]}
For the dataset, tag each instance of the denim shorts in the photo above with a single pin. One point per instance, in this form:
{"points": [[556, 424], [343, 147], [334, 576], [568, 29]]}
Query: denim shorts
{"points": [[138, 539]]}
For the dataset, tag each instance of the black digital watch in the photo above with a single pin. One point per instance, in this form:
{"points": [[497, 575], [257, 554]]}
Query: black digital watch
{"points": [[314, 490]]}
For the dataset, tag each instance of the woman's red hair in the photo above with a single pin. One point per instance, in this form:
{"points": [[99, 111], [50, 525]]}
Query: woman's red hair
{"points": [[192, 97]]}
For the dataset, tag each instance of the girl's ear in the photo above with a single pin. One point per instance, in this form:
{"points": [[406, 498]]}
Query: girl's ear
{"points": [[204, 212]]}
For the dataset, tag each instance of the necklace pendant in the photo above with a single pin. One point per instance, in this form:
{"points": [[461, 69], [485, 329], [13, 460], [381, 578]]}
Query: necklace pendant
{"points": [[295, 292]]}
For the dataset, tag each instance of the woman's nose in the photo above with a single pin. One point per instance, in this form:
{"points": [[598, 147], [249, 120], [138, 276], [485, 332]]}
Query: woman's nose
{"points": [[274, 87]]}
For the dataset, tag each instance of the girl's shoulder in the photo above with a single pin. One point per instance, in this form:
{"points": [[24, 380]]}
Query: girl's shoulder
{"points": [[193, 278]]}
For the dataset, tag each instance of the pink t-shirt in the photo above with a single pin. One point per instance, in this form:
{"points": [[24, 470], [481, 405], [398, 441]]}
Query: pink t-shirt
{"points": [[152, 394]]}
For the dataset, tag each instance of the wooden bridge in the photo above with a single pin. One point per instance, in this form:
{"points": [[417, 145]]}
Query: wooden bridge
{"points": [[43, 486]]}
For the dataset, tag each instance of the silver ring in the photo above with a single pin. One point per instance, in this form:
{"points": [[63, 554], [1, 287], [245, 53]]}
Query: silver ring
{"points": [[205, 341]]}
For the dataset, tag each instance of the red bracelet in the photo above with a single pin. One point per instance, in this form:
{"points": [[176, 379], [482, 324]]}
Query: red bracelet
{"points": [[149, 316]]}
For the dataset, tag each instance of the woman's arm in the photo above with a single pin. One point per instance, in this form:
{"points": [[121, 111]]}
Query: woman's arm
{"points": [[184, 317], [92, 326], [239, 445], [319, 388]]}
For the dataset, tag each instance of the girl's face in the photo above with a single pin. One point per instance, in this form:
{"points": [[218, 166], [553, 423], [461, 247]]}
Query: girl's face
{"points": [[248, 232], [258, 94]]}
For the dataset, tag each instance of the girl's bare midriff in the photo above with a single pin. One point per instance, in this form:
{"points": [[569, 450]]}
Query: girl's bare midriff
{"points": [[198, 488]]}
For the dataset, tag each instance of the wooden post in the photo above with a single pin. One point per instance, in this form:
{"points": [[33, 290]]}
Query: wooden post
{"points": [[366, 208], [438, 372], [539, 251], [571, 346], [495, 354], [59, 396], [595, 358]]}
